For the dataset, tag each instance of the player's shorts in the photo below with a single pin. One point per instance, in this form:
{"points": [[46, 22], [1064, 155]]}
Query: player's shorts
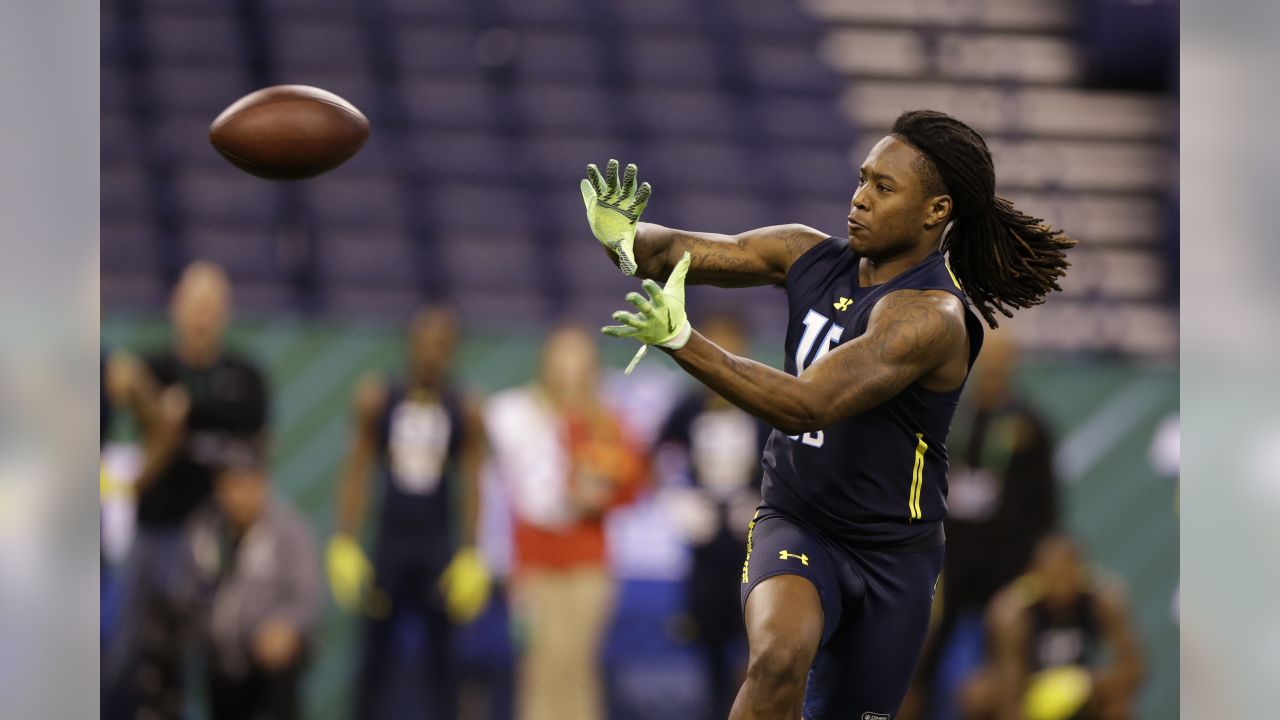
{"points": [[875, 605]]}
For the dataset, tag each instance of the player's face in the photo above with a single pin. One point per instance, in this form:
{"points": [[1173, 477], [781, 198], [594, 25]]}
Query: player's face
{"points": [[241, 496], [570, 366], [889, 211], [201, 308], [432, 336], [1060, 570]]}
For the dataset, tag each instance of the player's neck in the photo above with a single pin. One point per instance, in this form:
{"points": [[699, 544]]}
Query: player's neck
{"points": [[197, 357], [573, 401], [426, 385], [882, 270]]}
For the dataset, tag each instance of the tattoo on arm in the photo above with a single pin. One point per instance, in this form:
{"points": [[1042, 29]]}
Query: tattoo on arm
{"points": [[1125, 670], [911, 333], [755, 257]]}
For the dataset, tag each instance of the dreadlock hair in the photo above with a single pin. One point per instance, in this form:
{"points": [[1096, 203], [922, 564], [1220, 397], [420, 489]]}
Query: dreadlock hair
{"points": [[1003, 258]]}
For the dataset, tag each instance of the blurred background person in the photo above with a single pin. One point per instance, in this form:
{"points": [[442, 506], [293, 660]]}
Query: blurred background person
{"points": [[427, 443], [564, 460], [711, 495], [1063, 645], [189, 403], [1002, 499], [250, 586]]}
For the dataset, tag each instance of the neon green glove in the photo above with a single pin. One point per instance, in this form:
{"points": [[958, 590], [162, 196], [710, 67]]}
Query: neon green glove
{"points": [[613, 210], [349, 571], [662, 320], [465, 584]]}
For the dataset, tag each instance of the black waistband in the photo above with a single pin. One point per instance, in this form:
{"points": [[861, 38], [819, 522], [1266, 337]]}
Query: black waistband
{"points": [[934, 540]]}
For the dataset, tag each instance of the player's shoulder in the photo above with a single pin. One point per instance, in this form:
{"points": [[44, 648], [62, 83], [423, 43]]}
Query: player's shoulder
{"points": [[1008, 608], [241, 365], [513, 414], [1109, 591], [798, 238], [922, 300], [370, 394], [799, 242], [237, 360], [161, 363], [918, 320], [516, 402]]}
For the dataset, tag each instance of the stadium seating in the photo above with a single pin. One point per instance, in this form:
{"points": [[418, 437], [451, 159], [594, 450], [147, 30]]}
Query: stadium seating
{"points": [[1094, 161], [740, 112], [484, 115]]}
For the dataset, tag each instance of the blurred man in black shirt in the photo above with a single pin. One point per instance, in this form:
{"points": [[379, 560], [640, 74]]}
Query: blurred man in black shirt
{"points": [[189, 403]]}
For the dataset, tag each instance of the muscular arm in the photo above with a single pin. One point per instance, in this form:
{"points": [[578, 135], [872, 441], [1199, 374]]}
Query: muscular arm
{"points": [[1119, 679], [911, 334], [755, 257], [160, 413], [470, 460], [368, 401], [1010, 632]]}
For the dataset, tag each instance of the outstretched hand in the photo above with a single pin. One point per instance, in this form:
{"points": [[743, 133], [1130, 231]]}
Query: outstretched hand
{"points": [[662, 319], [613, 209]]}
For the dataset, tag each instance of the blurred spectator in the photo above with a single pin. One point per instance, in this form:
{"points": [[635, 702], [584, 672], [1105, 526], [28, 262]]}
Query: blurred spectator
{"points": [[249, 587], [1002, 498], [711, 500], [564, 460], [1064, 647], [106, 584], [426, 439], [190, 403]]}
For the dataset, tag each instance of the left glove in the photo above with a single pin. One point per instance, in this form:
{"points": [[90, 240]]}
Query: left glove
{"points": [[613, 209], [465, 584], [662, 320], [349, 571]]}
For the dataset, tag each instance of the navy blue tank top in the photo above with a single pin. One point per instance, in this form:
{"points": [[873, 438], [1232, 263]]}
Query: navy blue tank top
{"points": [[420, 434], [877, 479]]}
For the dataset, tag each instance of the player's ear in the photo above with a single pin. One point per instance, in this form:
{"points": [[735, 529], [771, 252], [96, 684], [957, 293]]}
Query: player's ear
{"points": [[938, 211]]}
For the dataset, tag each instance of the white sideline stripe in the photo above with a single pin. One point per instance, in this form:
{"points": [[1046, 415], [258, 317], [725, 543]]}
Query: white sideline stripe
{"points": [[1111, 423]]}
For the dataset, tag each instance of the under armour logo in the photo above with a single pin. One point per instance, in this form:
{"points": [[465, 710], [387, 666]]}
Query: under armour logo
{"points": [[783, 555], [843, 304]]}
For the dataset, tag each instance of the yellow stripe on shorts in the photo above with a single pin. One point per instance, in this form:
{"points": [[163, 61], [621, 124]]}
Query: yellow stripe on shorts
{"points": [[751, 526], [917, 477]]}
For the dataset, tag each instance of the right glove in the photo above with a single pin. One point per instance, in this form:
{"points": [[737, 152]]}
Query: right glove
{"points": [[662, 320], [465, 584], [613, 210], [349, 571]]}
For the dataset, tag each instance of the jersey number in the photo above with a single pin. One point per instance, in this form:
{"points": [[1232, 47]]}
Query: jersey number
{"points": [[814, 323], [419, 447]]}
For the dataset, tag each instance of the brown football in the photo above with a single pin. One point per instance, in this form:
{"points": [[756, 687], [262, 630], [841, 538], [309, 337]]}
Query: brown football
{"points": [[289, 132]]}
